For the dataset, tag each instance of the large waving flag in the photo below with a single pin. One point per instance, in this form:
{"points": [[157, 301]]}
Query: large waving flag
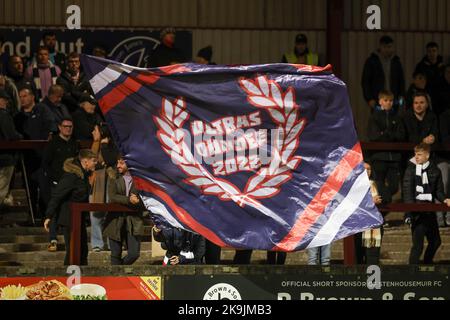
{"points": [[259, 156]]}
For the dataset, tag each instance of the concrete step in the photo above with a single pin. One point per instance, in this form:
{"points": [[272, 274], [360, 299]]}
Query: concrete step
{"points": [[37, 257], [42, 247], [404, 255], [27, 239]]}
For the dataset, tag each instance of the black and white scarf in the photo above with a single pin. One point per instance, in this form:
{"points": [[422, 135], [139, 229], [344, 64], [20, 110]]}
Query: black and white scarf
{"points": [[423, 191]]}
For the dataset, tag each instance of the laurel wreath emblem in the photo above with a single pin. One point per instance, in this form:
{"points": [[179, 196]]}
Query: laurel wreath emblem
{"points": [[266, 182]]}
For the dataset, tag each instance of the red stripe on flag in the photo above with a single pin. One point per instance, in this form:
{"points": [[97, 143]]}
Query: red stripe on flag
{"points": [[318, 204], [118, 94], [147, 78], [183, 215]]}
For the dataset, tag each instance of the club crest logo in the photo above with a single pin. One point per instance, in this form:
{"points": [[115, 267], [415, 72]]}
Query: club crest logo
{"points": [[266, 96], [222, 291], [134, 51]]}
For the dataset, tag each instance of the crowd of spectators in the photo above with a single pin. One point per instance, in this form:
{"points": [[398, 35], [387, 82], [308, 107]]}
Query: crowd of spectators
{"points": [[47, 97]]}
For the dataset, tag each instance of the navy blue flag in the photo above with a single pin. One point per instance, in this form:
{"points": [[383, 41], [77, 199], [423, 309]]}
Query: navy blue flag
{"points": [[259, 156]]}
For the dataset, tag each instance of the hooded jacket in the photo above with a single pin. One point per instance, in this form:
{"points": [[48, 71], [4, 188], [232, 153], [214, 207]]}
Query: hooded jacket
{"points": [[73, 187]]}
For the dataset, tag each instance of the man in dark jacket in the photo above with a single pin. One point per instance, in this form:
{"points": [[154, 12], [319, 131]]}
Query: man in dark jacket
{"points": [[74, 82], [34, 122], [386, 126], [73, 187], [56, 57], [85, 118], [383, 71], [60, 148], [419, 84], [53, 102], [166, 53], [183, 247], [7, 133], [421, 123], [431, 65], [16, 73], [423, 183], [124, 227]]}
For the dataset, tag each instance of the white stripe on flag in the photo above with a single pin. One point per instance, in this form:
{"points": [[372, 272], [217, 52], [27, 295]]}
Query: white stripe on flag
{"points": [[111, 73], [157, 207], [344, 210]]}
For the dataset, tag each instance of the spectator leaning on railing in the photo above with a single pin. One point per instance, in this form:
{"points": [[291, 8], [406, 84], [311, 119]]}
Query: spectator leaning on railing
{"points": [[421, 123], [423, 183], [124, 227], [386, 126]]}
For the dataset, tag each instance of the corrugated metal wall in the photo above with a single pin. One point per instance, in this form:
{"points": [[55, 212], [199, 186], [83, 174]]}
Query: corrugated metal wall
{"points": [[229, 14], [253, 46], [397, 15]]}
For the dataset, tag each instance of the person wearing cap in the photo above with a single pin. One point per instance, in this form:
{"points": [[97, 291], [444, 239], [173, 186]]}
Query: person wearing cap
{"points": [[301, 53], [7, 159], [166, 53], [204, 56], [85, 118]]}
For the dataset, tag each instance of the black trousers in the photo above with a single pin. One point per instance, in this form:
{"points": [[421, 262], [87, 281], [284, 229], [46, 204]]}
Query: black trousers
{"points": [[387, 177], [425, 225], [275, 257], [242, 257], [133, 249], [212, 253], [84, 244]]}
